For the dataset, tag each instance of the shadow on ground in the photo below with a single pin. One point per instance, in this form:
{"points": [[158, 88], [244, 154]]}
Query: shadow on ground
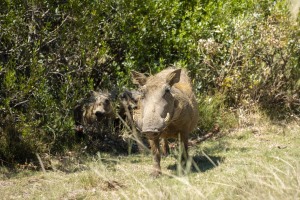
{"points": [[200, 163]]}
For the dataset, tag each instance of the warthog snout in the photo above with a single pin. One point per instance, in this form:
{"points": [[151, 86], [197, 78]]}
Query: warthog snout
{"points": [[149, 131], [154, 125], [152, 134], [99, 114]]}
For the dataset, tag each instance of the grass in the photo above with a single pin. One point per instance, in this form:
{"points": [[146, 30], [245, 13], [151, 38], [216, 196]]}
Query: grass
{"points": [[258, 161]]}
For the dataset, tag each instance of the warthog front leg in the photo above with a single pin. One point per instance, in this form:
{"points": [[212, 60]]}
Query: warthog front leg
{"points": [[154, 144], [184, 149]]}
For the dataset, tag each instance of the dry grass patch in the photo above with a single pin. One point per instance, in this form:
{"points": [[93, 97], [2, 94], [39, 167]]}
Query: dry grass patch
{"points": [[258, 161]]}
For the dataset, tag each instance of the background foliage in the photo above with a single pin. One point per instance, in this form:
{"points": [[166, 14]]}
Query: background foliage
{"points": [[239, 53]]}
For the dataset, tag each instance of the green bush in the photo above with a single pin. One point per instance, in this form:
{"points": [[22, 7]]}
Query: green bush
{"points": [[53, 52]]}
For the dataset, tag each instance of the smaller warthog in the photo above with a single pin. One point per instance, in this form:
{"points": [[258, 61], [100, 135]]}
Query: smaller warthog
{"points": [[129, 102], [93, 111], [167, 109], [101, 117]]}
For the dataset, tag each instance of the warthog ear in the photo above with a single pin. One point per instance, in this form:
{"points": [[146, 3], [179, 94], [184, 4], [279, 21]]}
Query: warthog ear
{"points": [[113, 94], [91, 94], [138, 78], [173, 77]]}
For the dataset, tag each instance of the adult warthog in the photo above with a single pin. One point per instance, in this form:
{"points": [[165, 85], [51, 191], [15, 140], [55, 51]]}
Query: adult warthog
{"points": [[167, 109]]}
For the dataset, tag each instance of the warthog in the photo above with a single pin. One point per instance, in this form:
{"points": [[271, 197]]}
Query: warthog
{"points": [[129, 100], [101, 117], [92, 110], [167, 109]]}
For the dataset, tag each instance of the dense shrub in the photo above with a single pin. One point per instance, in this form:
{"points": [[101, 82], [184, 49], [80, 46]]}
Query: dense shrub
{"points": [[53, 52]]}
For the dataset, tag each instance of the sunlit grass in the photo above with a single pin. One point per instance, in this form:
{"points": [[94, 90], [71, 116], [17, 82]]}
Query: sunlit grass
{"points": [[256, 162]]}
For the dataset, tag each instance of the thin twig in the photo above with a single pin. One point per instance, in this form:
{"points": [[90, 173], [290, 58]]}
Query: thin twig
{"points": [[41, 163], [22, 102]]}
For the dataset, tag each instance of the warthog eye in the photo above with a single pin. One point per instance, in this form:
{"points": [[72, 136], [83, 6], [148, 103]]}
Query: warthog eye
{"points": [[167, 90], [106, 101]]}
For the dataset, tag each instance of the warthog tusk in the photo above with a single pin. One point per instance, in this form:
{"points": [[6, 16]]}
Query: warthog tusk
{"points": [[167, 118]]}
